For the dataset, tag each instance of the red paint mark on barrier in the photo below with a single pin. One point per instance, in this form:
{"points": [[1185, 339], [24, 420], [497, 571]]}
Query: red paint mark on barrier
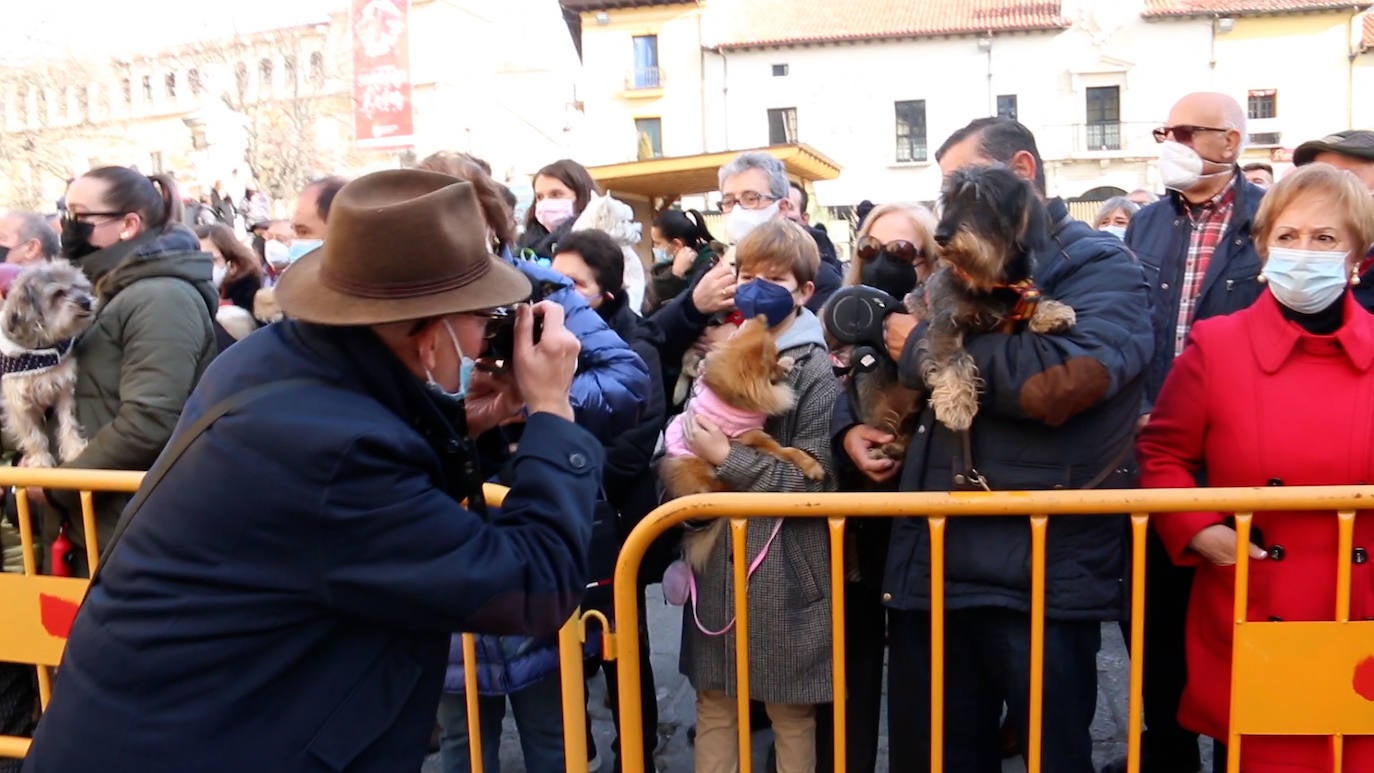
{"points": [[58, 614]]}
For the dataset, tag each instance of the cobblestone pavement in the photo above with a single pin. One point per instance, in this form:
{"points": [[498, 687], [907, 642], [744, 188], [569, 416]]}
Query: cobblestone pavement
{"points": [[676, 706]]}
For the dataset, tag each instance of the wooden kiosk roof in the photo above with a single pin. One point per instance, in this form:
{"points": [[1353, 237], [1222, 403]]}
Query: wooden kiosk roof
{"points": [[670, 178]]}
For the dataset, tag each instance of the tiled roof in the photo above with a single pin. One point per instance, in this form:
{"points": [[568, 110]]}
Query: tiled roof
{"points": [[1368, 42], [759, 23], [1156, 9]]}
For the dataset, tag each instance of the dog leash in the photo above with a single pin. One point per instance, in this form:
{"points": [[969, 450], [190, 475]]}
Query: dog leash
{"points": [[972, 478], [753, 567]]}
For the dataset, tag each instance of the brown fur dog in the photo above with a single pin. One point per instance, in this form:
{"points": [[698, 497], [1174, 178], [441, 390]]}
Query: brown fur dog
{"points": [[742, 384], [992, 226], [48, 307]]}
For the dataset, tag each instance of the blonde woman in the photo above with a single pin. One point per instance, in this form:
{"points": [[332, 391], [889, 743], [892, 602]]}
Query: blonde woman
{"points": [[894, 252]]}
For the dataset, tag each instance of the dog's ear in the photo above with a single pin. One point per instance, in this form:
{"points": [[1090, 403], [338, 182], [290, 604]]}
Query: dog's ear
{"points": [[1032, 232], [31, 297]]}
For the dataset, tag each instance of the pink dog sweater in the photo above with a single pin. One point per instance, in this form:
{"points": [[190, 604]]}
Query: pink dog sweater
{"points": [[707, 404]]}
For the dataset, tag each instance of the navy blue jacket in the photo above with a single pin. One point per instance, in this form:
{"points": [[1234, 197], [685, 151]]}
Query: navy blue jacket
{"points": [[1054, 410], [285, 598], [1159, 236]]}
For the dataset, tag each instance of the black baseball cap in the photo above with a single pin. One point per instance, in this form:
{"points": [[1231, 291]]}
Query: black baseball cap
{"points": [[1356, 143]]}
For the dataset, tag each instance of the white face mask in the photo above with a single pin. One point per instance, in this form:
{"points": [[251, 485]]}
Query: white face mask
{"points": [[277, 253], [217, 276], [740, 221], [1180, 167], [1305, 281], [1119, 231]]}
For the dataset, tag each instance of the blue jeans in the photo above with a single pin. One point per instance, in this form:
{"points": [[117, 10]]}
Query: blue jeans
{"points": [[538, 720]]}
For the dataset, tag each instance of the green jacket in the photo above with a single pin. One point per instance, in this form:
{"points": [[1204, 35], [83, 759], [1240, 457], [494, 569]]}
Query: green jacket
{"points": [[665, 285], [152, 338]]}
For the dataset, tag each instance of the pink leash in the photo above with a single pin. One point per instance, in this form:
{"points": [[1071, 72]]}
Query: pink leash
{"points": [[753, 567]]}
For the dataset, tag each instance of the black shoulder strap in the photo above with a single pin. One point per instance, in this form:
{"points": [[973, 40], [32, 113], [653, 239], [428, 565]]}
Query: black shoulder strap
{"points": [[173, 452]]}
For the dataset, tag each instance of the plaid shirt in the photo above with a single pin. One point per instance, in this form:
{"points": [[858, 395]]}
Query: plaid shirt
{"points": [[1209, 223]]}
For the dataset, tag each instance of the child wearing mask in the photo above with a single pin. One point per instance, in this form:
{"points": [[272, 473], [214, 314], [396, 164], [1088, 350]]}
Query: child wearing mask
{"points": [[789, 591]]}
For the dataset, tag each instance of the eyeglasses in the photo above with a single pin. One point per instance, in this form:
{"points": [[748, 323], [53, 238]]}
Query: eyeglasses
{"points": [[749, 199], [1183, 132], [76, 217], [901, 250]]}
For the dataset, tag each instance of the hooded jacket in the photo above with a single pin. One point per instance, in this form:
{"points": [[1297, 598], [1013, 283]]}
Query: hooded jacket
{"points": [[150, 341]]}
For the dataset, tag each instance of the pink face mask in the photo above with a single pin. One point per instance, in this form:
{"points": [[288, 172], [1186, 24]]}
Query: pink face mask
{"points": [[552, 213]]}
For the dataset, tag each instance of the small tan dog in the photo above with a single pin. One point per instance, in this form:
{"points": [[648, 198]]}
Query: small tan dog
{"points": [[48, 307], [742, 384]]}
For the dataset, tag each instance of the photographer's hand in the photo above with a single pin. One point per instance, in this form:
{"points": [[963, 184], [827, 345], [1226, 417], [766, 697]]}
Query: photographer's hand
{"points": [[896, 329], [493, 399], [544, 370]]}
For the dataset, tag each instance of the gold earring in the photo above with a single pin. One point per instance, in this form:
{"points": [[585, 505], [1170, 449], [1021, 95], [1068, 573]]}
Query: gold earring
{"points": [[1354, 277]]}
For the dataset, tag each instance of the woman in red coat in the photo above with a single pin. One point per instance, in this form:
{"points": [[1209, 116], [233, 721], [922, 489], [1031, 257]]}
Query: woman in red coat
{"points": [[1280, 394]]}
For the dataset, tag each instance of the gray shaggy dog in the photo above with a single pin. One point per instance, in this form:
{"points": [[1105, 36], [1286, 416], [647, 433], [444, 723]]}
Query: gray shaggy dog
{"points": [[48, 307]]}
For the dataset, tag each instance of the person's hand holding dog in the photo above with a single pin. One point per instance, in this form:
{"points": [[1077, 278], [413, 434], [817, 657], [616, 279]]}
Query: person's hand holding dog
{"points": [[705, 439], [544, 370], [716, 290], [897, 329], [857, 442]]}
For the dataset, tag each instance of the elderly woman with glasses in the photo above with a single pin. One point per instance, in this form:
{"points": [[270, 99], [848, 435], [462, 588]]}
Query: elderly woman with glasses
{"points": [[1279, 394], [894, 252]]}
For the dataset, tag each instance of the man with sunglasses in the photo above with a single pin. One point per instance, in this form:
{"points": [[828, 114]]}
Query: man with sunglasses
{"points": [[1197, 253]]}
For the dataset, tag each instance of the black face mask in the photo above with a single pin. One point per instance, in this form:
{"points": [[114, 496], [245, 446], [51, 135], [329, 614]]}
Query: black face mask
{"points": [[76, 239], [893, 277]]}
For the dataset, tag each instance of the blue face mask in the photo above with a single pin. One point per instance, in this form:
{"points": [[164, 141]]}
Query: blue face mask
{"points": [[466, 365], [301, 246], [761, 296]]}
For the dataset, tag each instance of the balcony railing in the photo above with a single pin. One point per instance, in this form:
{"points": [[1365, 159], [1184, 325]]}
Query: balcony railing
{"points": [[642, 78], [1102, 135]]}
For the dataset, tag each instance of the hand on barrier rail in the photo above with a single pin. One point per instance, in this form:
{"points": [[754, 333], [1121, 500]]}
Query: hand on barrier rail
{"points": [[1217, 543], [859, 441]]}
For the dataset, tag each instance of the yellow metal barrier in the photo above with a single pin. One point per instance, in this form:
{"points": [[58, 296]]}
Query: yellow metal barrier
{"points": [[1331, 707]]}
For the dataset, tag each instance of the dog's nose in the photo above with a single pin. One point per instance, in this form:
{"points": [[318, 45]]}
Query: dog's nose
{"points": [[84, 302], [942, 235]]}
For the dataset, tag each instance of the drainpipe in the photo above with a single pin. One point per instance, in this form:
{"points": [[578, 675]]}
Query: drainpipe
{"points": [[992, 104], [701, 65], [725, 95], [1352, 53]]}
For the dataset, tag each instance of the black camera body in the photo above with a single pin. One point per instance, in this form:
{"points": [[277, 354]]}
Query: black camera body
{"points": [[500, 348]]}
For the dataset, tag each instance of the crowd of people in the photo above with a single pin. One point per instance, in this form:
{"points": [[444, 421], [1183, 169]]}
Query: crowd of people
{"points": [[322, 547]]}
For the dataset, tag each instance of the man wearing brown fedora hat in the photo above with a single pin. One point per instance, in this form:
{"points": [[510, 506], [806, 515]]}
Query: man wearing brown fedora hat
{"points": [[280, 594]]}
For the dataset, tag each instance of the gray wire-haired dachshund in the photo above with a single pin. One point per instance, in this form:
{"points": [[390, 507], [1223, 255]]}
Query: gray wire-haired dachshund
{"points": [[48, 307], [992, 224]]}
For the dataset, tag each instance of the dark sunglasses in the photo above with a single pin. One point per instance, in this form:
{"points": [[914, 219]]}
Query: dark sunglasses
{"points": [[901, 250], [1183, 132]]}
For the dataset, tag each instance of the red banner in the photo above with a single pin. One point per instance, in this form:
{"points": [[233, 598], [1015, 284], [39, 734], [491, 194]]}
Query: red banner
{"points": [[381, 73]]}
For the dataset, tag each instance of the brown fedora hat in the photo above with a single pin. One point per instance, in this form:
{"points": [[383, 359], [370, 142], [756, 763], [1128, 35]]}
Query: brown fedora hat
{"points": [[400, 245]]}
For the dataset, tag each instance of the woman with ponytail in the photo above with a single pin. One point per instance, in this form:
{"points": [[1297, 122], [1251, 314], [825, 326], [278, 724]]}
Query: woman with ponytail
{"points": [[153, 332], [683, 250]]}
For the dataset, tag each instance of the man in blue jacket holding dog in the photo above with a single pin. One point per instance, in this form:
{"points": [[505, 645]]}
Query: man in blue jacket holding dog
{"points": [[1054, 411], [280, 594]]}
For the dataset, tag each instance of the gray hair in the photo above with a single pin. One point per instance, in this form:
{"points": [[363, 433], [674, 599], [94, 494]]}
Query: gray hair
{"points": [[764, 162], [33, 225], [1113, 204], [1153, 197]]}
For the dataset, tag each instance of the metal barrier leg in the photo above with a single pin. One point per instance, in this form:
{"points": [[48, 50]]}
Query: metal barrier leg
{"points": [[92, 534], [574, 692], [739, 530], [1034, 743], [1345, 529], [1140, 526], [1242, 594], [937, 642], [474, 707], [837, 628]]}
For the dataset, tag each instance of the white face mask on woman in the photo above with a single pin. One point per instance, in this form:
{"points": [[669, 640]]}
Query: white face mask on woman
{"points": [[1305, 281], [552, 213]]}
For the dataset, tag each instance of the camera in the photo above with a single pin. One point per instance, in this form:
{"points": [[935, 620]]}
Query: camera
{"points": [[500, 334]]}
